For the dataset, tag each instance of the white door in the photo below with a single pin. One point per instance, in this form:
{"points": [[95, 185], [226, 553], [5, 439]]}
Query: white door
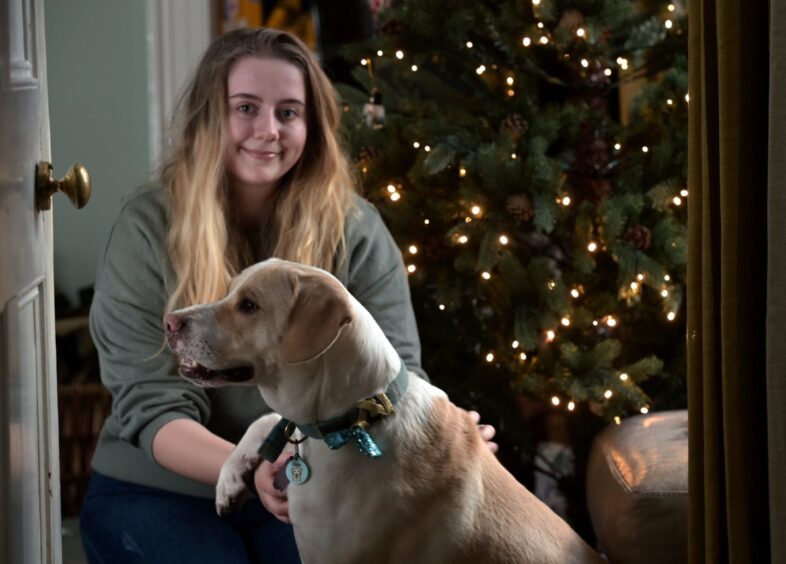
{"points": [[29, 469]]}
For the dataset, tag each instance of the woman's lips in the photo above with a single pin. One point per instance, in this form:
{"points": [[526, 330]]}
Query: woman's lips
{"points": [[261, 155]]}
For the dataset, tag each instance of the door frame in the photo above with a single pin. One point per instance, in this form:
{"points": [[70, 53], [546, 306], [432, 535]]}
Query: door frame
{"points": [[178, 32]]}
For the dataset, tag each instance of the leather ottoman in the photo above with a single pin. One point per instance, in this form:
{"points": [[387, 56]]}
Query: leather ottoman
{"points": [[637, 489]]}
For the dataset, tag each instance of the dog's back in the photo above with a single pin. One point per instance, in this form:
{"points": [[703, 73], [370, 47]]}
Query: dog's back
{"points": [[480, 506], [436, 495]]}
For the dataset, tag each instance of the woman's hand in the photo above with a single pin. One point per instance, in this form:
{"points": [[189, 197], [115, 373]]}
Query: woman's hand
{"points": [[273, 499], [487, 432]]}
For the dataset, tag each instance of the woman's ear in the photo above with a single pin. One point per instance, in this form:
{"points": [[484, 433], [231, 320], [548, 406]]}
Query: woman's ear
{"points": [[320, 310]]}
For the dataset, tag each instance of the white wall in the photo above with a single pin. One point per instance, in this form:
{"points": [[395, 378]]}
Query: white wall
{"points": [[98, 106], [115, 68]]}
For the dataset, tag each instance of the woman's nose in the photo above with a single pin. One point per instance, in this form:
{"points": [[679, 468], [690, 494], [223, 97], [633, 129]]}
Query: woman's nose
{"points": [[266, 126]]}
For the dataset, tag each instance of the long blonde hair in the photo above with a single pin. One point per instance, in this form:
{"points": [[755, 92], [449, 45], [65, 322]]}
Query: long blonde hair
{"points": [[312, 201]]}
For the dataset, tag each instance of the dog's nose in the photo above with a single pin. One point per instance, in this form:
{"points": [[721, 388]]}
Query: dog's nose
{"points": [[173, 323]]}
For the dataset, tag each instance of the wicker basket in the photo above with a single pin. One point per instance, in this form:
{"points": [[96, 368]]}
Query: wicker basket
{"points": [[82, 409]]}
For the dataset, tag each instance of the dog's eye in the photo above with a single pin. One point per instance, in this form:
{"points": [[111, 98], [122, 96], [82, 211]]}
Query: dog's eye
{"points": [[247, 306]]}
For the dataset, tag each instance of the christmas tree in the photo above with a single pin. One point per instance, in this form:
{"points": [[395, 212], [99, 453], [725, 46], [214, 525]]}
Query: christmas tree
{"points": [[530, 158]]}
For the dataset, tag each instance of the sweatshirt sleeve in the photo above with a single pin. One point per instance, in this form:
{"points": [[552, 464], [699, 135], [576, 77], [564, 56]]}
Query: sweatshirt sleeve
{"points": [[377, 279], [127, 328]]}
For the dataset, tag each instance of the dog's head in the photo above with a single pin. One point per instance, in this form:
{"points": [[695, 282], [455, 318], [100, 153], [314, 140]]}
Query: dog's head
{"points": [[276, 312]]}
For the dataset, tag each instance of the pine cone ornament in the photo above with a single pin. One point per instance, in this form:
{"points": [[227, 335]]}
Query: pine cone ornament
{"points": [[597, 189], [367, 155], [605, 37], [591, 163], [639, 236], [571, 20], [598, 155], [596, 408], [514, 126], [519, 206], [393, 28]]}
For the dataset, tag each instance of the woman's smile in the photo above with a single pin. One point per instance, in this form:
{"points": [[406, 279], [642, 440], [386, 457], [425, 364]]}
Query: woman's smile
{"points": [[261, 155]]}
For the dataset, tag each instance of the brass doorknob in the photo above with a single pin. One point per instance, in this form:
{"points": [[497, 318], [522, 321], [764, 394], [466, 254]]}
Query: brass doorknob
{"points": [[75, 184]]}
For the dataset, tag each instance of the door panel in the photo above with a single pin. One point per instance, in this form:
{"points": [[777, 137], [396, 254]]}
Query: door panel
{"points": [[24, 323], [20, 88]]}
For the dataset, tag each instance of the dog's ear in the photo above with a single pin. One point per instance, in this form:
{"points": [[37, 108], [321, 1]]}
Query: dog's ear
{"points": [[320, 310]]}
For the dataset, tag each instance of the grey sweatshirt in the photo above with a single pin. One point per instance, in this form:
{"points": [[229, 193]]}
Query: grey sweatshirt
{"points": [[135, 279]]}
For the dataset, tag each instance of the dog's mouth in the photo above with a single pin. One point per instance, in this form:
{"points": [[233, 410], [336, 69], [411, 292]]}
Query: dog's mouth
{"points": [[201, 374]]}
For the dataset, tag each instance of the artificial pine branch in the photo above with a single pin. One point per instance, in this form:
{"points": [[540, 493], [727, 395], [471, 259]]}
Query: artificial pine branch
{"points": [[550, 227]]}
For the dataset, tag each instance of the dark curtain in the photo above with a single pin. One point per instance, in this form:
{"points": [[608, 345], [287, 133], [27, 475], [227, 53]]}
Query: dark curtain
{"points": [[776, 284], [735, 268]]}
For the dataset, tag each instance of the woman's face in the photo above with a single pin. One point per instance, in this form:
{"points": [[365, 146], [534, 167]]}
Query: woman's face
{"points": [[266, 121]]}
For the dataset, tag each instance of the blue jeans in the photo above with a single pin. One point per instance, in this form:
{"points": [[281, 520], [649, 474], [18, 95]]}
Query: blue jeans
{"points": [[128, 523]]}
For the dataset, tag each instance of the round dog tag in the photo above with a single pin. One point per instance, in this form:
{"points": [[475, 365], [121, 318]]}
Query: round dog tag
{"points": [[297, 471]]}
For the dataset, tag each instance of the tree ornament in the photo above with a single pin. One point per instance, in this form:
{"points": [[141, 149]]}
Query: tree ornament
{"points": [[593, 156], [392, 28], [571, 20], [514, 126], [554, 464], [374, 111], [596, 408], [596, 76], [593, 84], [541, 244], [639, 236], [519, 206], [367, 155], [597, 188], [591, 163], [375, 7]]}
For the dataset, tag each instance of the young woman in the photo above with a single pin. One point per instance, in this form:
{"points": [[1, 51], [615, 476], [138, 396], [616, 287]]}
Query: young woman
{"points": [[257, 171]]}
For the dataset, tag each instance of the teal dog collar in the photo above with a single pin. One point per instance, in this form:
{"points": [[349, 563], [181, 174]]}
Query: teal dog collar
{"points": [[338, 431]]}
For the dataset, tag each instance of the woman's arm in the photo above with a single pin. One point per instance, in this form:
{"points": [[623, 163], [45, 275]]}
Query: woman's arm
{"points": [[189, 449], [374, 273], [127, 327]]}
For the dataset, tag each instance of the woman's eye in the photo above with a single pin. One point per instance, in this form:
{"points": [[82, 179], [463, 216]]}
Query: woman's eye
{"points": [[245, 108], [288, 114], [247, 306]]}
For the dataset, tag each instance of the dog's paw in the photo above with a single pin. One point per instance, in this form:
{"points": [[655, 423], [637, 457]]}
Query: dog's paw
{"points": [[231, 491]]}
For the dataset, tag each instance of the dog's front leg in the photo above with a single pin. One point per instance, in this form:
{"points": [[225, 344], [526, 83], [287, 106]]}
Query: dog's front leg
{"points": [[238, 470]]}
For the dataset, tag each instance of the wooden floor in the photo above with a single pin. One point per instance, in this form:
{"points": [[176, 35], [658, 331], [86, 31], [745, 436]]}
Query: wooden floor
{"points": [[72, 545]]}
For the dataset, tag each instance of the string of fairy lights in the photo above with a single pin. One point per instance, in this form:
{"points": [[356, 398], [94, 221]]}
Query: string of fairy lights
{"points": [[664, 287]]}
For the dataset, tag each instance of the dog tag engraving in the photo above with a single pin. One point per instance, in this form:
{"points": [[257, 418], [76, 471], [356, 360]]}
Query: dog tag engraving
{"points": [[297, 470]]}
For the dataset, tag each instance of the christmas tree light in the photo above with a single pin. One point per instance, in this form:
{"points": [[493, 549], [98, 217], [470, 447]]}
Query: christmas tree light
{"points": [[544, 212]]}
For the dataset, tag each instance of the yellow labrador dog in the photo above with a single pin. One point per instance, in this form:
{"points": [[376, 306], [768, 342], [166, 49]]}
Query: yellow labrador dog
{"points": [[392, 471]]}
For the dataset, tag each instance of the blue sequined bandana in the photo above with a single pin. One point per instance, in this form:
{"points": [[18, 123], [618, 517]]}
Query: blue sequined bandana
{"points": [[362, 439]]}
